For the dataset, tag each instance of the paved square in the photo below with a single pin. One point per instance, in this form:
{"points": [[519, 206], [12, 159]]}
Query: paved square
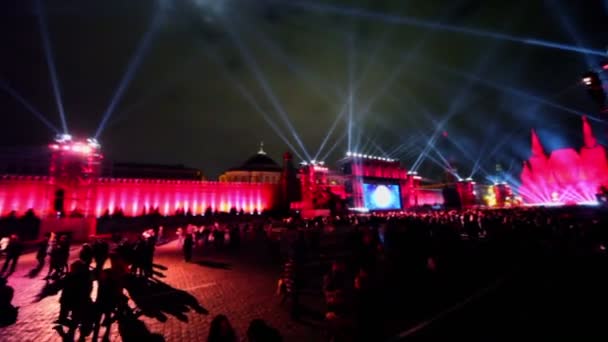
{"points": [[239, 284]]}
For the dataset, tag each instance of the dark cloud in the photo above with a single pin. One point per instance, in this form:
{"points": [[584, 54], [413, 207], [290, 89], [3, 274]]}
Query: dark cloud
{"points": [[180, 108]]}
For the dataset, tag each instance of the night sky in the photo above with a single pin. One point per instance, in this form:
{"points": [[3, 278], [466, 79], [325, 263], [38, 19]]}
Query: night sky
{"points": [[197, 78]]}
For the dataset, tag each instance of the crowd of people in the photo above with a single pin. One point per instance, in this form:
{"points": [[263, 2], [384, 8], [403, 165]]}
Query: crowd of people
{"points": [[79, 315], [403, 261], [378, 259], [217, 236]]}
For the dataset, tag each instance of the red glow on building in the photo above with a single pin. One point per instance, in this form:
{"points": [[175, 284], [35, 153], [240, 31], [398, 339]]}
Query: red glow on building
{"points": [[74, 185], [361, 168], [565, 176], [133, 196]]}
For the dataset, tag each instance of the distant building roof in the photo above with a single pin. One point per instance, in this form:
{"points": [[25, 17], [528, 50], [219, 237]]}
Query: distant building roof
{"points": [[259, 162], [146, 171]]}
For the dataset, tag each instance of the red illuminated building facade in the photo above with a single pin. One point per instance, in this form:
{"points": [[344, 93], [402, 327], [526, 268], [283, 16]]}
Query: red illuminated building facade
{"points": [[77, 184], [74, 186], [565, 176], [358, 169]]}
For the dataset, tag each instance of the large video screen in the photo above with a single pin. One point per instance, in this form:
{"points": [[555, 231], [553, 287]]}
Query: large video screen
{"points": [[381, 196]]}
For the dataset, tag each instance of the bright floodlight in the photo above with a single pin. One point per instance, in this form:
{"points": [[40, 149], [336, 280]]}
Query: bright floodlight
{"points": [[348, 154], [92, 142], [63, 138], [587, 81]]}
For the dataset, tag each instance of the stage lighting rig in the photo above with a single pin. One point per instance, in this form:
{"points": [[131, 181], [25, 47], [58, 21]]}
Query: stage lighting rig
{"points": [[63, 138], [592, 82]]}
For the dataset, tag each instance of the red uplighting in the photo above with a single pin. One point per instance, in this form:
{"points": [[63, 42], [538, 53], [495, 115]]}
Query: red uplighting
{"points": [[76, 147], [565, 175], [134, 196], [605, 66]]}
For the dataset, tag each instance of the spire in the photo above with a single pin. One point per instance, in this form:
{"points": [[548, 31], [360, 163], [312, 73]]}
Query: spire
{"points": [[588, 137], [537, 148], [261, 151]]}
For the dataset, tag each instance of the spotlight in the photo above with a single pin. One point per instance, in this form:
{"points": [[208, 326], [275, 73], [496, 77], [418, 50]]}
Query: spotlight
{"points": [[92, 142], [366, 156], [605, 66], [593, 83], [61, 138], [348, 154]]}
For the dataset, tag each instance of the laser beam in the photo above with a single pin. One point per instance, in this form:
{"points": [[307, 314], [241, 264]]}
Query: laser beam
{"points": [[254, 68], [4, 86], [251, 100], [434, 25], [50, 61], [132, 68]]}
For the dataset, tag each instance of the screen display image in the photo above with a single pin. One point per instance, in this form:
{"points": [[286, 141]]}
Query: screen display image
{"points": [[382, 196]]}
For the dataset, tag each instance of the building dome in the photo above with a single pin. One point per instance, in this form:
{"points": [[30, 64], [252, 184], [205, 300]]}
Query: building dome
{"points": [[257, 168], [259, 162]]}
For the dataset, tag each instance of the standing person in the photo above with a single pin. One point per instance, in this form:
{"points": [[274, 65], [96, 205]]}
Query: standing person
{"points": [[259, 331], [180, 237], [365, 312], [64, 253], [160, 235], [101, 250], [149, 254], [86, 254], [187, 247], [13, 252], [8, 313], [75, 301], [43, 247], [110, 297], [221, 330]]}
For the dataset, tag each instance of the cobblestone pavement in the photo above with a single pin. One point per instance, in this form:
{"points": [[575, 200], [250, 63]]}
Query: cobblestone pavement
{"points": [[240, 285]]}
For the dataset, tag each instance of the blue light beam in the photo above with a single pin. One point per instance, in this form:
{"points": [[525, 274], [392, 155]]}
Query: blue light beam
{"points": [[434, 25], [254, 68], [50, 61], [28, 106], [251, 100], [132, 68]]}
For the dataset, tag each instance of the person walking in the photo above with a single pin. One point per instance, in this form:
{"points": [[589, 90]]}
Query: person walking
{"points": [[43, 247], [187, 247], [13, 252]]}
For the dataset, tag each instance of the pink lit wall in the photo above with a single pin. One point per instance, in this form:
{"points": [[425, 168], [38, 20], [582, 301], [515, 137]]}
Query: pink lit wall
{"points": [[429, 197], [20, 193], [132, 196]]}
